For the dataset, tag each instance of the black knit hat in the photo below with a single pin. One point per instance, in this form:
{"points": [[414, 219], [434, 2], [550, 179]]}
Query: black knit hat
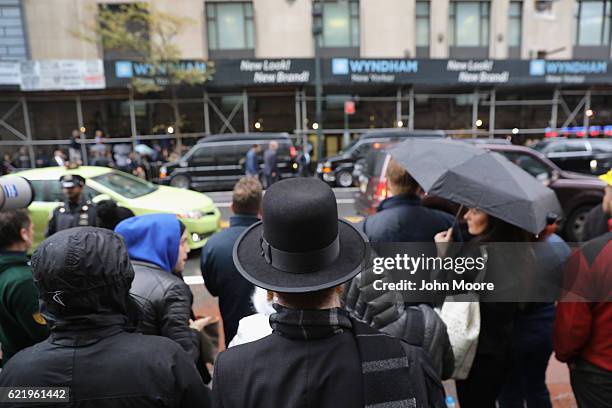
{"points": [[301, 245]]}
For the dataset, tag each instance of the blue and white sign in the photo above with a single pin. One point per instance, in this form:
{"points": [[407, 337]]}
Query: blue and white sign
{"points": [[123, 69], [537, 67]]}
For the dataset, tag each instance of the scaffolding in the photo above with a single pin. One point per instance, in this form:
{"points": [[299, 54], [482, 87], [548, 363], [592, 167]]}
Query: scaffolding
{"points": [[575, 113]]}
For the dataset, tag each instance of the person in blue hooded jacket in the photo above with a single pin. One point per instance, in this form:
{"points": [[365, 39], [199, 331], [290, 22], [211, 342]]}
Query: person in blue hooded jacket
{"points": [[158, 248]]}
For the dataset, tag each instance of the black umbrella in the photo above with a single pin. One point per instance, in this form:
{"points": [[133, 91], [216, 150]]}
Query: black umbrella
{"points": [[474, 177]]}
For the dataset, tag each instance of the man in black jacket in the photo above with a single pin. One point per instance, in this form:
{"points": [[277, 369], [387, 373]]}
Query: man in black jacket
{"points": [[596, 222], [317, 355], [83, 277], [220, 275], [402, 218]]}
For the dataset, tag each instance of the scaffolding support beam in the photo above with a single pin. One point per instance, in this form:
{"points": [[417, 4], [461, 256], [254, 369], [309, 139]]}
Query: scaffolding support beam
{"points": [[411, 109], [554, 113], [245, 110], [492, 114], [28, 129], [206, 113], [81, 124]]}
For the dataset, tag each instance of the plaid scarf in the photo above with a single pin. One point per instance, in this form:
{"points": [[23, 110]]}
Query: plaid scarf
{"points": [[385, 367]]}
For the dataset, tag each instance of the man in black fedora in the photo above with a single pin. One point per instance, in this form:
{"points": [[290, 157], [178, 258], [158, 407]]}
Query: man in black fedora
{"points": [[317, 355]]}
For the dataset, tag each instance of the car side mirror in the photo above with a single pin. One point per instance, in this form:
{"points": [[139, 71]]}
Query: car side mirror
{"points": [[100, 197], [554, 176]]}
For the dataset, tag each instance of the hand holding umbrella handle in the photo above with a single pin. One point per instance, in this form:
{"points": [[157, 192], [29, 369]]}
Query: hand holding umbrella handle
{"points": [[442, 240]]}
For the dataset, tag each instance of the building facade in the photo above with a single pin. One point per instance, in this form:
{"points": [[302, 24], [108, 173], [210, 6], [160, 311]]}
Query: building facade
{"points": [[235, 34]]}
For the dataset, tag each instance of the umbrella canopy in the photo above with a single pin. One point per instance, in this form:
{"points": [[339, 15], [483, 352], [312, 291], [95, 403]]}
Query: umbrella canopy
{"points": [[144, 150], [474, 177]]}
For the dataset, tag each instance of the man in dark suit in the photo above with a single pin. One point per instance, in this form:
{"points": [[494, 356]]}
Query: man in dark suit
{"points": [[270, 169], [317, 355], [220, 275]]}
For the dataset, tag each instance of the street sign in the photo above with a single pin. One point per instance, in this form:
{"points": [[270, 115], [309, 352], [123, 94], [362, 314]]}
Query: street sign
{"points": [[349, 107]]}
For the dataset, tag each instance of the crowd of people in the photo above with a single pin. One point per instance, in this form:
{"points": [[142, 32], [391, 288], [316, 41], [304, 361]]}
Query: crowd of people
{"points": [[138, 160], [103, 307]]}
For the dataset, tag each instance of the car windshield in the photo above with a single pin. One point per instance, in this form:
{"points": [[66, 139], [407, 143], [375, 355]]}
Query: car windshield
{"points": [[348, 147], [125, 185]]}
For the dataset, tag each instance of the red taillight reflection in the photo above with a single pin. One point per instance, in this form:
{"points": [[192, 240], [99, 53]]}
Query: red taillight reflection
{"points": [[292, 151]]}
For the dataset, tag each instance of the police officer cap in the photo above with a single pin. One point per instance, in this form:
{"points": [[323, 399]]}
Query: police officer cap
{"points": [[72, 180]]}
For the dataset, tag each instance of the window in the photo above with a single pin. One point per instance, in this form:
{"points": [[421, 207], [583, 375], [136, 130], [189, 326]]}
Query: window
{"points": [[125, 185], [531, 165], [230, 26], [135, 17], [422, 24], [469, 23], [341, 24], [515, 17], [593, 22], [543, 6], [12, 32]]}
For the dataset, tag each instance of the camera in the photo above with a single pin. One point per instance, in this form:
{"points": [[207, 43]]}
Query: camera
{"points": [[15, 192]]}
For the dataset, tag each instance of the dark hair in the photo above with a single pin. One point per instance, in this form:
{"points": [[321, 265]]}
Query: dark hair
{"points": [[246, 197], [11, 223], [109, 214], [501, 231], [307, 301]]}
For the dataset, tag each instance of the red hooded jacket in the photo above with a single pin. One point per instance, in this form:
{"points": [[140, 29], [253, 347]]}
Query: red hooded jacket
{"points": [[584, 329]]}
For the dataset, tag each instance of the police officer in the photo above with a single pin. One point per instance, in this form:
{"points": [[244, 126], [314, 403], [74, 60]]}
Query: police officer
{"points": [[76, 210]]}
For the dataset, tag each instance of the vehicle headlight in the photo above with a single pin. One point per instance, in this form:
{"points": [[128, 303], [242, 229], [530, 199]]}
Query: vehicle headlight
{"points": [[319, 167], [194, 214], [593, 165], [163, 172], [327, 164]]}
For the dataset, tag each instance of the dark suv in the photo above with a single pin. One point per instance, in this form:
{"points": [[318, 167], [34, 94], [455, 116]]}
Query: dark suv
{"points": [[338, 170], [590, 156], [577, 193], [217, 162]]}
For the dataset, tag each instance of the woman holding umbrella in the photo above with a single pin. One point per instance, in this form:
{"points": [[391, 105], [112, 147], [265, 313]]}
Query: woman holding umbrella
{"points": [[506, 207], [493, 358]]}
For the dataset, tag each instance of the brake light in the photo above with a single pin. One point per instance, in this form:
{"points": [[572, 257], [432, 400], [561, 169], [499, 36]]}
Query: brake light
{"points": [[381, 190], [292, 152]]}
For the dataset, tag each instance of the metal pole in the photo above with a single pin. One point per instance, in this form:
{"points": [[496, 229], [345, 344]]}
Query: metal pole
{"points": [[298, 114], [319, 102], [346, 138], [206, 114], [554, 110], [411, 109], [587, 107], [304, 118], [398, 106], [317, 32], [492, 114], [474, 113], [245, 110], [28, 129], [81, 124], [133, 118]]}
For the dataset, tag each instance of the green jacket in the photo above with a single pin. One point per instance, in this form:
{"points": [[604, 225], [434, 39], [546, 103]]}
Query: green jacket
{"points": [[21, 324]]}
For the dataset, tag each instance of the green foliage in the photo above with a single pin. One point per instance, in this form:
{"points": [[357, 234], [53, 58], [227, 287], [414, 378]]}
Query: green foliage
{"points": [[150, 36]]}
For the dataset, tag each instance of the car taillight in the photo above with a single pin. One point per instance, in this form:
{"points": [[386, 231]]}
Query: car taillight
{"points": [[381, 190], [292, 152]]}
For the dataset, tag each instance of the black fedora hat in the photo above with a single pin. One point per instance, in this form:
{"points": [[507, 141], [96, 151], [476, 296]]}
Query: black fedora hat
{"points": [[301, 245]]}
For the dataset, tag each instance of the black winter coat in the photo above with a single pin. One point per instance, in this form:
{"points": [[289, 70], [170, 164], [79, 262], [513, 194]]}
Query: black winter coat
{"points": [[281, 372], [109, 367], [165, 301]]}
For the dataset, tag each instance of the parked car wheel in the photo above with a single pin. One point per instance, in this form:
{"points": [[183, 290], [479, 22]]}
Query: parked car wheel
{"points": [[574, 226], [180, 181], [344, 179]]}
